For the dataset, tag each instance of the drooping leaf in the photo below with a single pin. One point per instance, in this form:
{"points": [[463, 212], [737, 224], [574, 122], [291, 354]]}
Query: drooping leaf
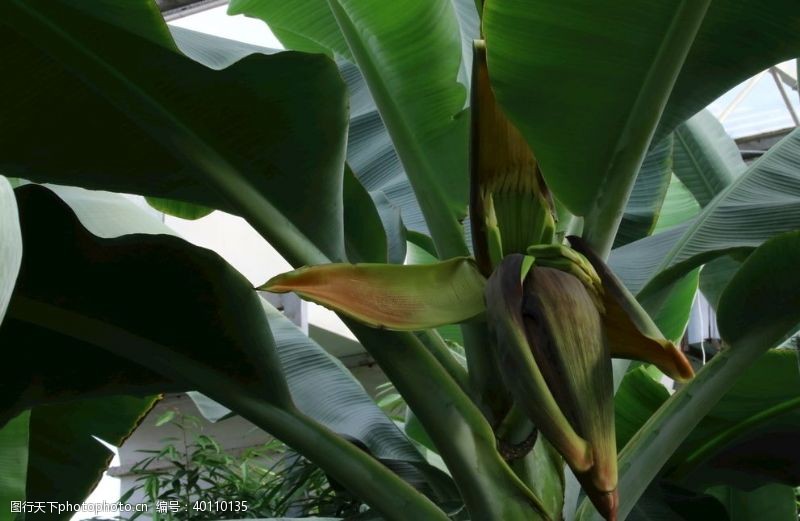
{"points": [[645, 203], [304, 25], [706, 159], [75, 304], [10, 244], [364, 241], [762, 202], [588, 128], [760, 306], [629, 328], [402, 297], [131, 91]]}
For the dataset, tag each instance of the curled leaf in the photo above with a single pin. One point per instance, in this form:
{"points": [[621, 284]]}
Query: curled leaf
{"points": [[631, 332], [392, 296]]}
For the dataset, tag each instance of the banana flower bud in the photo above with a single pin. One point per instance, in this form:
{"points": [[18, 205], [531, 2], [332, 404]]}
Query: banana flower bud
{"points": [[557, 321]]}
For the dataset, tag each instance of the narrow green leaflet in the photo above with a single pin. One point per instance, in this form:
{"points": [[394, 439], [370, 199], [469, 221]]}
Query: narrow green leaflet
{"points": [[588, 127], [645, 203], [758, 309], [10, 244], [400, 297], [705, 158], [14, 462], [762, 202], [130, 94]]}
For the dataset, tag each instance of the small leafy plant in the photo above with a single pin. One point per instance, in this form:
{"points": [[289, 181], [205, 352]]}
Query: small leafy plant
{"points": [[209, 482]]}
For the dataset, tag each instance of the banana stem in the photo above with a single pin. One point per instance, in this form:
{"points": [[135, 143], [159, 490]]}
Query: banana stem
{"points": [[490, 489]]}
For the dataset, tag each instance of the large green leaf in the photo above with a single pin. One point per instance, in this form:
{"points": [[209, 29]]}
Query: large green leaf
{"points": [[10, 244], [716, 275], [309, 25], [747, 440], [706, 159], [364, 240], [410, 54], [664, 502], [130, 91], [303, 25], [646, 200], [65, 461], [637, 398], [758, 309], [773, 502], [738, 39], [175, 297], [762, 202], [586, 82], [759, 411], [14, 462]]}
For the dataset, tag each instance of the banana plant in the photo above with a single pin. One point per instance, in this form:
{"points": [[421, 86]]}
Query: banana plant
{"points": [[518, 141]]}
